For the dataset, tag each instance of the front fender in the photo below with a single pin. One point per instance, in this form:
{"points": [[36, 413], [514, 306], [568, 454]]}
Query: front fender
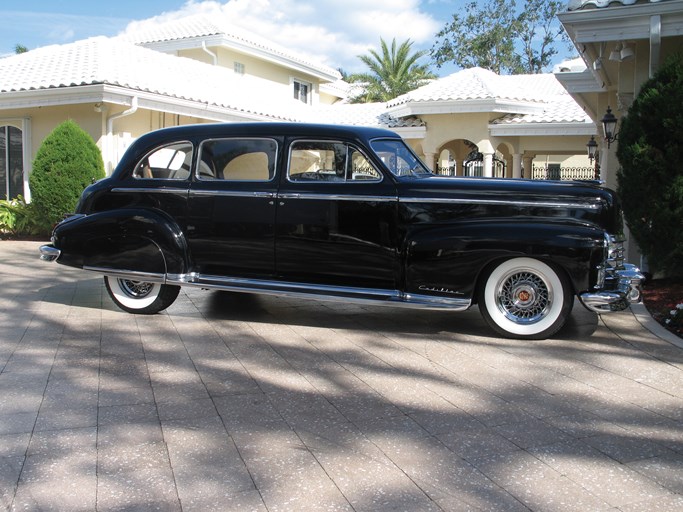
{"points": [[139, 240], [449, 259]]}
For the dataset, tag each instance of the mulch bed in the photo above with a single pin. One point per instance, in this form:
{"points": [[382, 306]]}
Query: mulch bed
{"points": [[661, 296]]}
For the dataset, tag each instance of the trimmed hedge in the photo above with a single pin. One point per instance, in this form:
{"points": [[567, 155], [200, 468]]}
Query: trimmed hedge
{"points": [[67, 161], [650, 180]]}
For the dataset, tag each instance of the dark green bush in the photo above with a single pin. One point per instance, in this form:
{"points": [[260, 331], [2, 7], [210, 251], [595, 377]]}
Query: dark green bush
{"points": [[68, 160], [650, 180]]}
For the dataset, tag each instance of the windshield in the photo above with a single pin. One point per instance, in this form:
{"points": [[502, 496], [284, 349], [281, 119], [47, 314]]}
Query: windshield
{"points": [[398, 158]]}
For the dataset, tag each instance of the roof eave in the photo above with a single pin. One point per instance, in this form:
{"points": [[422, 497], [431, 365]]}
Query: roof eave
{"points": [[220, 40], [624, 22], [410, 132], [581, 82], [542, 129], [118, 95], [416, 108]]}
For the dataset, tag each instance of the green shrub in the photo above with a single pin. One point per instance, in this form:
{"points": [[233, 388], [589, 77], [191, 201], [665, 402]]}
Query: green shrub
{"points": [[650, 180], [68, 160], [18, 218]]}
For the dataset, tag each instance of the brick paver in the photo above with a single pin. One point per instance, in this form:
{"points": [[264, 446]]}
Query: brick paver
{"points": [[235, 402]]}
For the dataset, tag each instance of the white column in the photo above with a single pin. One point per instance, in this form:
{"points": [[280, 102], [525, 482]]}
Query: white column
{"points": [[528, 163], [517, 165], [429, 160], [488, 165]]}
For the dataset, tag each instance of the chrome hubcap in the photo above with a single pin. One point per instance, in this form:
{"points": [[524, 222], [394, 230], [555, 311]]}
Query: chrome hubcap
{"points": [[523, 297]]}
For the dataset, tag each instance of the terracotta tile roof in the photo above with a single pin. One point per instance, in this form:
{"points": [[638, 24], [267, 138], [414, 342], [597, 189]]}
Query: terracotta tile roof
{"points": [[114, 62], [575, 5], [201, 26]]}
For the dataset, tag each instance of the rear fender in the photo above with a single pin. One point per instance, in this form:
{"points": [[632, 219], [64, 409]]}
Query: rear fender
{"points": [[448, 260], [138, 240]]}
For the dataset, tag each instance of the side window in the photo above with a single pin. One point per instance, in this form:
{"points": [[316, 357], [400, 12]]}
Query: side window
{"points": [[329, 161], [237, 159], [170, 162]]}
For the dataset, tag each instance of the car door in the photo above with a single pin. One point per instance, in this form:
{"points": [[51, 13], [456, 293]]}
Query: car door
{"points": [[231, 220], [336, 220]]}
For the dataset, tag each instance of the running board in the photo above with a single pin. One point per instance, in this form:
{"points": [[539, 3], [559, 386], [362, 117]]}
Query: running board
{"points": [[370, 296]]}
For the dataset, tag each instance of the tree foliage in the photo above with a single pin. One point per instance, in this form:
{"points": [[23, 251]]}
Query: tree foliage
{"points": [[650, 180], [498, 37], [67, 161], [20, 48], [392, 73]]}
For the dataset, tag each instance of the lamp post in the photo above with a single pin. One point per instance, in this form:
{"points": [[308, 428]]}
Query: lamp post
{"points": [[609, 126], [592, 148]]}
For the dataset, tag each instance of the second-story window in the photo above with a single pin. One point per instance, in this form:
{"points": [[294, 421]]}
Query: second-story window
{"points": [[238, 68], [302, 91]]}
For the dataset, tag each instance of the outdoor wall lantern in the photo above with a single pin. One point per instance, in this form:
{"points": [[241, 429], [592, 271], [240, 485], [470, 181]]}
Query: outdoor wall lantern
{"points": [[609, 126], [592, 148], [621, 53]]}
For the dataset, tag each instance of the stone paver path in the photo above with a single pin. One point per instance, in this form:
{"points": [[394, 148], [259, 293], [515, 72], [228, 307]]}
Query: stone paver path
{"points": [[232, 402]]}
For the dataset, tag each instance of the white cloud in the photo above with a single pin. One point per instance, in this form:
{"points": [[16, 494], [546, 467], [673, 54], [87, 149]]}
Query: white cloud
{"points": [[333, 32]]}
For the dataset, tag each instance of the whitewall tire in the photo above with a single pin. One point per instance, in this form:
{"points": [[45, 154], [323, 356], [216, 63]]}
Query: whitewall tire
{"points": [[525, 298], [139, 296]]}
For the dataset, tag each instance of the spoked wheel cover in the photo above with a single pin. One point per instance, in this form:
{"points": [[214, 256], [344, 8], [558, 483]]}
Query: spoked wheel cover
{"points": [[524, 296], [135, 289]]}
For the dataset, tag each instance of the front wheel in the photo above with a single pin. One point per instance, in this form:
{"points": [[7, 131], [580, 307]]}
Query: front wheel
{"points": [[139, 296], [525, 298]]}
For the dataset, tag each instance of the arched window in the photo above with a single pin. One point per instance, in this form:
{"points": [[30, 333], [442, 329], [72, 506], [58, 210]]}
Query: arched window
{"points": [[11, 162]]}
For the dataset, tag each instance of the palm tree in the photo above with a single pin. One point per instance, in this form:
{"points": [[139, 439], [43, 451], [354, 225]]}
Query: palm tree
{"points": [[392, 73]]}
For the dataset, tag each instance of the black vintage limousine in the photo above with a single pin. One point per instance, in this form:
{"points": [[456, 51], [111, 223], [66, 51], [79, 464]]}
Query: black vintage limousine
{"points": [[343, 213]]}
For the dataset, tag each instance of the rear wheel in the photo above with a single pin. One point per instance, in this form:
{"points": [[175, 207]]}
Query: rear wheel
{"points": [[525, 298], [139, 296]]}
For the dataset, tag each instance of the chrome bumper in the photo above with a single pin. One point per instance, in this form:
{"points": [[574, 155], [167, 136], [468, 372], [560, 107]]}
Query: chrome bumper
{"points": [[49, 253], [626, 292]]}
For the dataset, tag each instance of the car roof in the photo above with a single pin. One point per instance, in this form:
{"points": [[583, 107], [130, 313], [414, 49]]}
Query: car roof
{"points": [[269, 129]]}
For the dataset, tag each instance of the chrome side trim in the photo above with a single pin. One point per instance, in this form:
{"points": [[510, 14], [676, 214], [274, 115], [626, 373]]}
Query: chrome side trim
{"points": [[232, 193], [500, 202], [338, 197], [369, 296], [49, 253], [151, 190], [132, 275]]}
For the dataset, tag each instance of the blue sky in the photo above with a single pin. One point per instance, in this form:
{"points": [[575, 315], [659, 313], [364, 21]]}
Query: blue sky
{"points": [[332, 31]]}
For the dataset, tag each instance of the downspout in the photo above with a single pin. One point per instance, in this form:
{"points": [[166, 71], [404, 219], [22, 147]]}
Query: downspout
{"points": [[110, 128], [655, 43], [214, 57]]}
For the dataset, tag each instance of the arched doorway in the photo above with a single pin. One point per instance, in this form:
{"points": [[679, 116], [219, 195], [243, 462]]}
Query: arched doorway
{"points": [[11, 162]]}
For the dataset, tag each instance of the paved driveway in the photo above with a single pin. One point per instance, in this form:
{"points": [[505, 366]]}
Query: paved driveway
{"points": [[235, 402]]}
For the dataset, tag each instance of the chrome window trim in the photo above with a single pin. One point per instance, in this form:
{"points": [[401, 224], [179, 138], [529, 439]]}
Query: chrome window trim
{"points": [[345, 182], [232, 193], [223, 180], [337, 197], [153, 190], [410, 150], [499, 202], [157, 148]]}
